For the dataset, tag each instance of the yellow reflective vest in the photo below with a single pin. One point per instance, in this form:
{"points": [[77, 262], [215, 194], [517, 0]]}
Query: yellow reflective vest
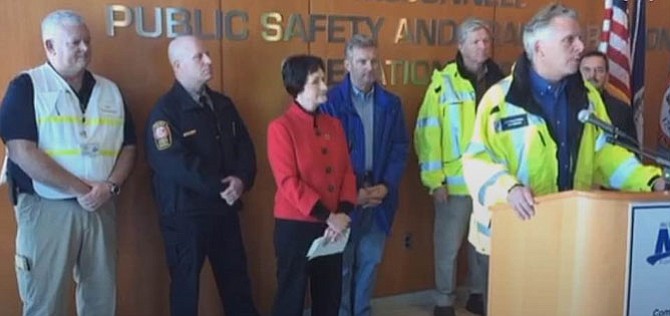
{"points": [[511, 145], [444, 126]]}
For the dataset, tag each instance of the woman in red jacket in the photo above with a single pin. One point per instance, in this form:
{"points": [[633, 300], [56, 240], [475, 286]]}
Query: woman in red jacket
{"points": [[316, 189]]}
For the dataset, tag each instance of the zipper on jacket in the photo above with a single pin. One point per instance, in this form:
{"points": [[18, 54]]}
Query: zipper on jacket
{"points": [[542, 138]]}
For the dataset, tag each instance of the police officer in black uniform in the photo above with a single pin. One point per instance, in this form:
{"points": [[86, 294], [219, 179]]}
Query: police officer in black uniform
{"points": [[202, 160]]}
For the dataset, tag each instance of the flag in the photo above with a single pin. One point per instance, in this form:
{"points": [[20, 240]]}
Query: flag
{"points": [[664, 120], [614, 43], [626, 55], [638, 55]]}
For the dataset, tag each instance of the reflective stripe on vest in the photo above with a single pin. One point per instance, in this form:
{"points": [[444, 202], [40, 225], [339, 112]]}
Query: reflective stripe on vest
{"points": [[623, 172], [427, 122], [484, 229], [77, 120], [79, 151], [431, 166], [491, 180]]}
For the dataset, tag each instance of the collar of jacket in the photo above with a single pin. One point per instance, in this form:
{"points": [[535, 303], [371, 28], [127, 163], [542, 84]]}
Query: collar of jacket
{"points": [[345, 89], [297, 110], [492, 75], [186, 102], [520, 93]]}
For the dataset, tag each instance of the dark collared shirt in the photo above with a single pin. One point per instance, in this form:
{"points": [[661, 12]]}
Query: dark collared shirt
{"points": [[478, 82], [553, 100]]}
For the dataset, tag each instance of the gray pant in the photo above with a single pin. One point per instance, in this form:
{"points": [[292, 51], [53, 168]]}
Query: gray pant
{"points": [[452, 219], [483, 266], [57, 240]]}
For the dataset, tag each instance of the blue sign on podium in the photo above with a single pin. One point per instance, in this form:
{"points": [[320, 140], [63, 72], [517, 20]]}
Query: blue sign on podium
{"points": [[648, 262]]}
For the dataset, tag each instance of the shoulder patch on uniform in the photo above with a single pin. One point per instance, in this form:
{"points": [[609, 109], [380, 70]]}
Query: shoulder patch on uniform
{"points": [[162, 135]]}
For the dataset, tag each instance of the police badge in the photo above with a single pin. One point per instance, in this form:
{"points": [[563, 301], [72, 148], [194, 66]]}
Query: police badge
{"points": [[162, 135]]}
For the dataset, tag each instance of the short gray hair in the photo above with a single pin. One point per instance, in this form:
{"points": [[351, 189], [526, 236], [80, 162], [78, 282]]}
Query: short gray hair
{"points": [[358, 41], [538, 26], [470, 25], [58, 18]]}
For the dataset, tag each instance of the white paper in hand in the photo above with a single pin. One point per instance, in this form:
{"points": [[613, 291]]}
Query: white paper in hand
{"points": [[229, 199], [322, 247]]}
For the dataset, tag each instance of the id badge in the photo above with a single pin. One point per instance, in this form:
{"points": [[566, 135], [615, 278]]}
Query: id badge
{"points": [[90, 149]]}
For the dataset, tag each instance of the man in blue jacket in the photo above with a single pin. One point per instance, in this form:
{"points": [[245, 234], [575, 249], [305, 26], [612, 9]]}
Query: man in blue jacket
{"points": [[374, 122]]}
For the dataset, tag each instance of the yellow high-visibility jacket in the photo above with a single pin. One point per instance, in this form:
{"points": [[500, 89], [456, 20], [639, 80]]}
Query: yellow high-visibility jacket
{"points": [[444, 125], [512, 144]]}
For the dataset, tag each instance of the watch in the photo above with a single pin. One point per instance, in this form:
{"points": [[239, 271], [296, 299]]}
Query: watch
{"points": [[114, 188]]}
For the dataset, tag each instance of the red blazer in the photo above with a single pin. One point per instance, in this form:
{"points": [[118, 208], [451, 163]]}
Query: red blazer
{"points": [[309, 158]]}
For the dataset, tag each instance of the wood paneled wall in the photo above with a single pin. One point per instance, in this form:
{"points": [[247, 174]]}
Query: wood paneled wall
{"points": [[248, 71]]}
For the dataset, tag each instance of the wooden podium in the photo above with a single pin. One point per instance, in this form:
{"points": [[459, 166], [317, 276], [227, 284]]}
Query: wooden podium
{"points": [[569, 259]]}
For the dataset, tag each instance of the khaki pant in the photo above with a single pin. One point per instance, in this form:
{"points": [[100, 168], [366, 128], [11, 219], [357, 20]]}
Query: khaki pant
{"points": [[452, 219], [57, 240]]}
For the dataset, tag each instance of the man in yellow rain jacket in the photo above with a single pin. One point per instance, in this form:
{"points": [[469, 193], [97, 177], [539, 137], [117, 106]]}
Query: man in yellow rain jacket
{"points": [[443, 130], [528, 141]]}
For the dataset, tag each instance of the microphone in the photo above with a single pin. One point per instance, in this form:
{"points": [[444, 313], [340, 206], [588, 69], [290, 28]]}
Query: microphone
{"points": [[586, 116]]}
